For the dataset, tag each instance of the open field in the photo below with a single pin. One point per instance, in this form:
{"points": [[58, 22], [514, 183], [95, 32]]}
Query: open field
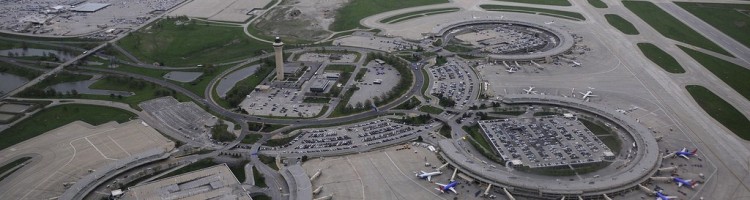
{"points": [[68, 153], [542, 2], [348, 17], [670, 27], [190, 43], [416, 14], [731, 19], [144, 92], [538, 11], [621, 24], [733, 75], [720, 110], [431, 109], [598, 4], [53, 117], [230, 11], [661, 58]]}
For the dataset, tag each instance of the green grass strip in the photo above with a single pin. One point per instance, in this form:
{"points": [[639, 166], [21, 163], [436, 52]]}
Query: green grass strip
{"points": [[621, 24], [541, 2], [721, 110], [57, 116], [669, 26], [541, 11], [598, 4], [661, 58], [733, 75]]}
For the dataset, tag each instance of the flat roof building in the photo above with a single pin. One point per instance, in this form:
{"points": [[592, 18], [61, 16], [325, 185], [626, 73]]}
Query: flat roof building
{"points": [[319, 85], [215, 182]]}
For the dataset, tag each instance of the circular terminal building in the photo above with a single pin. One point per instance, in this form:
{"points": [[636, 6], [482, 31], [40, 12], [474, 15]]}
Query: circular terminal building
{"points": [[505, 40], [635, 164]]}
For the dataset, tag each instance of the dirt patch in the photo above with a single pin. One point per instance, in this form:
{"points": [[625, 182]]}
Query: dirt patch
{"points": [[304, 20]]}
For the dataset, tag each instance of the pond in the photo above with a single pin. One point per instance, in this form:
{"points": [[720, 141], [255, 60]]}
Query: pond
{"points": [[9, 82], [183, 77], [82, 87], [228, 82], [28, 52]]}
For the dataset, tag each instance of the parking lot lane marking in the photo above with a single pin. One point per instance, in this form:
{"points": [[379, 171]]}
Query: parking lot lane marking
{"points": [[118, 145], [409, 177], [358, 177], [97, 149]]}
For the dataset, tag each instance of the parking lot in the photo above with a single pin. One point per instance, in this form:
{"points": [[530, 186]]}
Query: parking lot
{"points": [[367, 135], [185, 118], [327, 57], [453, 80], [545, 141], [368, 89], [368, 40], [282, 102]]}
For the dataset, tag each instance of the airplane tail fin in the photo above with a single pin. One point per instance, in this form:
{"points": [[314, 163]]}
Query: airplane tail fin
{"points": [[694, 151], [693, 184], [442, 188]]}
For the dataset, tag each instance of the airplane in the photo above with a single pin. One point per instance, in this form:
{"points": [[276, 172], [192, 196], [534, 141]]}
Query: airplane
{"points": [[511, 70], [428, 175], [684, 153], [661, 196], [687, 183], [449, 187], [530, 90], [576, 64], [587, 94], [550, 22]]}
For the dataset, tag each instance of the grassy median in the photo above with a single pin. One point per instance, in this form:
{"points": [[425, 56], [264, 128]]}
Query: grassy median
{"points": [[661, 58], [731, 19], [57, 116], [733, 75], [721, 110], [669, 26], [348, 16], [621, 24]]}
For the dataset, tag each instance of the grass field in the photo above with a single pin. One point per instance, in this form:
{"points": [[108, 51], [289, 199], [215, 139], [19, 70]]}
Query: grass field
{"points": [[11, 165], [191, 43], [669, 26], [251, 138], [733, 75], [239, 171], [605, 134], [431, 109], [542, 2], [145, 93], [621, 24], [340, 68], [408, 105], [731, 19], [416, 14], [348, 16], [598, 4], [539, 11], [260, 181], [661, 58], [200, 164], [720, 110], [54, 117]]}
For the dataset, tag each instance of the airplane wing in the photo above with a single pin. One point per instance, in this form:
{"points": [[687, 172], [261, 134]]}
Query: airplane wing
{"points": [[684, 156], [684, 149], [453, 189], [679, 184], [440, 184], [429, 178], [422, 172]]}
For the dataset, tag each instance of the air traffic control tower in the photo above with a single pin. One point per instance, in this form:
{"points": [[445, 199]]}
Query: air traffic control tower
{"points": [[279, 53]]}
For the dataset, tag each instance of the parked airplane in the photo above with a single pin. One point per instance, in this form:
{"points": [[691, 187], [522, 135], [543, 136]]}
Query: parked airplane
{"points": [[587, 94], [576, 64], [687, 183], [684, 153], [661, 196], [428, 175], [530, 90], [511, 70], [449, 187]]}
